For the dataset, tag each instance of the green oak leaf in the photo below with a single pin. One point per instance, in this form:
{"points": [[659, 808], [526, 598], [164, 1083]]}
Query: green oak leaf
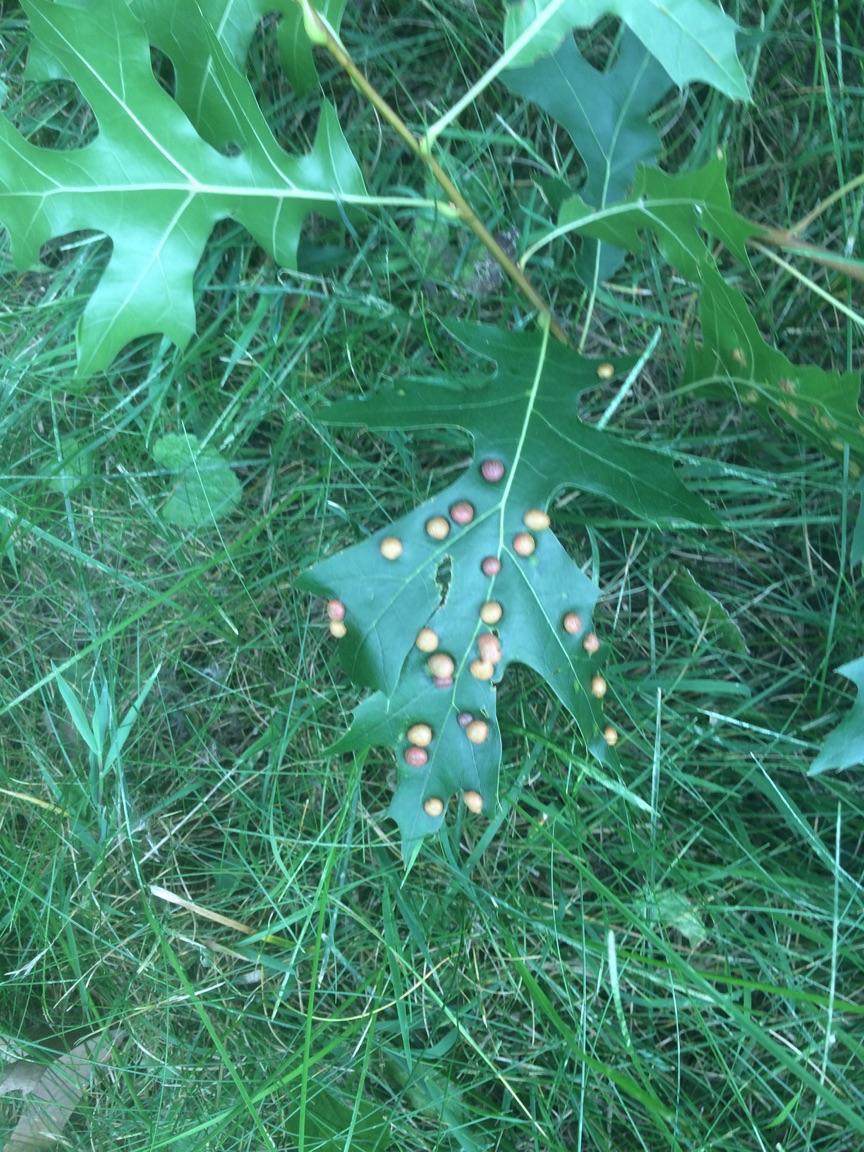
{"points": [[234, 23], [73, 468], [692, 39], [149, 180], [606, 115], [525, 417], [712, 617], [856, 551], [204, 487], [818, 404], [844, 747], [175, 29], [675, 910], [294, 46], [680, 211]]}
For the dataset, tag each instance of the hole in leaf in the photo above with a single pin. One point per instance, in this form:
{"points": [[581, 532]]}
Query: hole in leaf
{"points": [[443, 576], [163, 70], [293, 121], [59, 117], [599, 43]]}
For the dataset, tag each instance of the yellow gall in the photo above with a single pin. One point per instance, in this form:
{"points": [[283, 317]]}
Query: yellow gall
{"points": [[605, 371], [572, 623], [598, 687], [536, 519], [420, 734], [854, 469], [473, 801], [477, 731], [441, 665], [591, 644], [610, 735], [427, 640], [491, 612], [433, 807], [482, 670], [825, 421], [790, 409], [751, 396], [438, 528], [391, 547], [787, 386], [524, 544], [837, 444], [338, 629], [738, 356], [489, 647]]}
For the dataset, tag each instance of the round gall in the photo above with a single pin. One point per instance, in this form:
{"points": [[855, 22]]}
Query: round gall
{"points": [[391, 547]]}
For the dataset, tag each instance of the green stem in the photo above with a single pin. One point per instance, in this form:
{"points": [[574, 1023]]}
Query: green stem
{"points": [[504, 61], [321, 33]]}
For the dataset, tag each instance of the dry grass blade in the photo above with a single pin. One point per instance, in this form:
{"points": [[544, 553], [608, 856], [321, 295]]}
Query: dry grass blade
{"points": [[53, 1092]]}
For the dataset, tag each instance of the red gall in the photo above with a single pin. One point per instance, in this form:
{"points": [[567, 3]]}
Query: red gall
{"points": [[462, 513], [524, 544], [572, 623], [492, 471]]}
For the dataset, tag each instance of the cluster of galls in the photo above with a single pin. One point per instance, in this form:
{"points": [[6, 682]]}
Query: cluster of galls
{"points": [[420, 737], [463, 512], [336, 615], [440, 665]]}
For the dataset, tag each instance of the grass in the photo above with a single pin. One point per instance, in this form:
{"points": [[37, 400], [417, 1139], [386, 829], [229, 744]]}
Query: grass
{"points": [[671, 963]]}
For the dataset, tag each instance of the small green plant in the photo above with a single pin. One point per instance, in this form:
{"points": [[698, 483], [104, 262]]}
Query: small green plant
{"points": [[204, 488]]}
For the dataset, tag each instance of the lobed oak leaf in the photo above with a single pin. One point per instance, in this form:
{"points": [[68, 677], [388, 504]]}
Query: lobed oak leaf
{"points": [[434, 654], [692, 39], [607, 116], [844, 747], [681, 211], [149, 180]]}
